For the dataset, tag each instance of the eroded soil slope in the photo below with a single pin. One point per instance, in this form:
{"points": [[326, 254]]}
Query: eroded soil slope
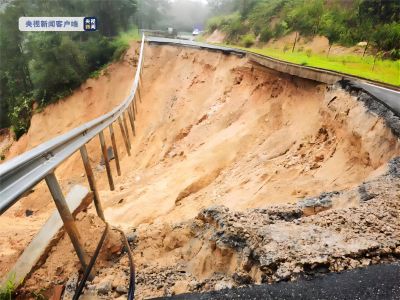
{"points": [[228, 162], [217, 130]]}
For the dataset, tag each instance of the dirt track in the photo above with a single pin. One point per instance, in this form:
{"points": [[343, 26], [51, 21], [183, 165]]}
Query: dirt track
{"points": [[219, 142]]}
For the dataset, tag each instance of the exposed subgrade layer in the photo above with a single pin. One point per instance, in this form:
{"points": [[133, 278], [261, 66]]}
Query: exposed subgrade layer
{"points": [[376, 104]]}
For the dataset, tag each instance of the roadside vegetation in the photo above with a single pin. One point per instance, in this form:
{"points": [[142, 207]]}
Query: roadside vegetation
{"points": [[386, 70], [42, 67], [7, 291], [376, 24]]}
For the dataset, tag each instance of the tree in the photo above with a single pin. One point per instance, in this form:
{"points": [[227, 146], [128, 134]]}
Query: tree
{"points": [[219, 7], [305, 16], [387, 39], [113, 15], [14, 73], [55, 54], [184, 15], [152, 12], [331, 28], [262, 13]]}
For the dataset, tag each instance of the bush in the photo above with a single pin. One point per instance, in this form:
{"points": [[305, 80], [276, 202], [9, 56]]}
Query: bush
{"points": [[121, 47], [220, 22], [394, 54], [247, 40], [98, 50], [265, 35], [95, 74], [20, 115], [234, 27], [64, 59], [280, 29], [214, 24]]}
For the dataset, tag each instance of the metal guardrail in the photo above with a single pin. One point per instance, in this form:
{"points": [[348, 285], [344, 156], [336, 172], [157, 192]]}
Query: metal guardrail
{"points": [[19, 175]]}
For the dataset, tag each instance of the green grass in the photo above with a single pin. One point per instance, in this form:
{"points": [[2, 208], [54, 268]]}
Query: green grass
{"points": [[7, 291], [387, 71], [129, 36], [122, 42]]}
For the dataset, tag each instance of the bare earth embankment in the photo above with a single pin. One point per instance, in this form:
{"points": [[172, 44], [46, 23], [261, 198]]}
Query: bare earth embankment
{"points": [[238, 175]]}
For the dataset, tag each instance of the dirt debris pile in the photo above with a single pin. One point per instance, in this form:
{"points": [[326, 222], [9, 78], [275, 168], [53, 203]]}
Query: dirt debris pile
{"points": [[222, 248]]}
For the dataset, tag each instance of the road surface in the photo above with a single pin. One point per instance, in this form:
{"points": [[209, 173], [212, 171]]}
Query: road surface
{"points": [[379, 282]]}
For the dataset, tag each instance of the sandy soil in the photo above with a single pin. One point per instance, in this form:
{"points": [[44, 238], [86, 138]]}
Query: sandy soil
{"points": [[216, 37], [217, 139], [317, 45], [256, 137], [6, 140]]}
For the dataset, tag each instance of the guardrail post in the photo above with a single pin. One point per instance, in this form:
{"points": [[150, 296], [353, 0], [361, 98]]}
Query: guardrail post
{"points": [[106, 161], [92, 182], [114, 145], [67, 218], [132, 107], [138, 89], [135, 106], [124, 136], [126, 129], [131, 121]]}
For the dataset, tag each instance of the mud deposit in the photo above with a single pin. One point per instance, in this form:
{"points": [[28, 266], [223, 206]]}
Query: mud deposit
{"points": [[238, 175]]}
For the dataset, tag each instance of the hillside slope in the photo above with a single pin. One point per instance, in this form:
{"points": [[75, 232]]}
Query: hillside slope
{"points": [[223, 141], [359, 38]]}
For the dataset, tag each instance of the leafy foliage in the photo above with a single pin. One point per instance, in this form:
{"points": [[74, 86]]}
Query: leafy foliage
{"points": [[266, 34], [43, 67], [7, 291], [346, 22], [247, 40], [151, 12]]}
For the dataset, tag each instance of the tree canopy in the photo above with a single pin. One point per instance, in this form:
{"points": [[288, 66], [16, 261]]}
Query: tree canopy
{"points": [[341, 21], [45, 66]]}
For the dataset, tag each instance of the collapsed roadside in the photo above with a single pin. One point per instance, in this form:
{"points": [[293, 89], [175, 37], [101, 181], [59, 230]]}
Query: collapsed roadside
{"points": [[261, 204]]}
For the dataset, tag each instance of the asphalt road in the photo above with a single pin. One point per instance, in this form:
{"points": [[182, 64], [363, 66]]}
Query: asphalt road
{"points": [[390, 97], [379, 282]]}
